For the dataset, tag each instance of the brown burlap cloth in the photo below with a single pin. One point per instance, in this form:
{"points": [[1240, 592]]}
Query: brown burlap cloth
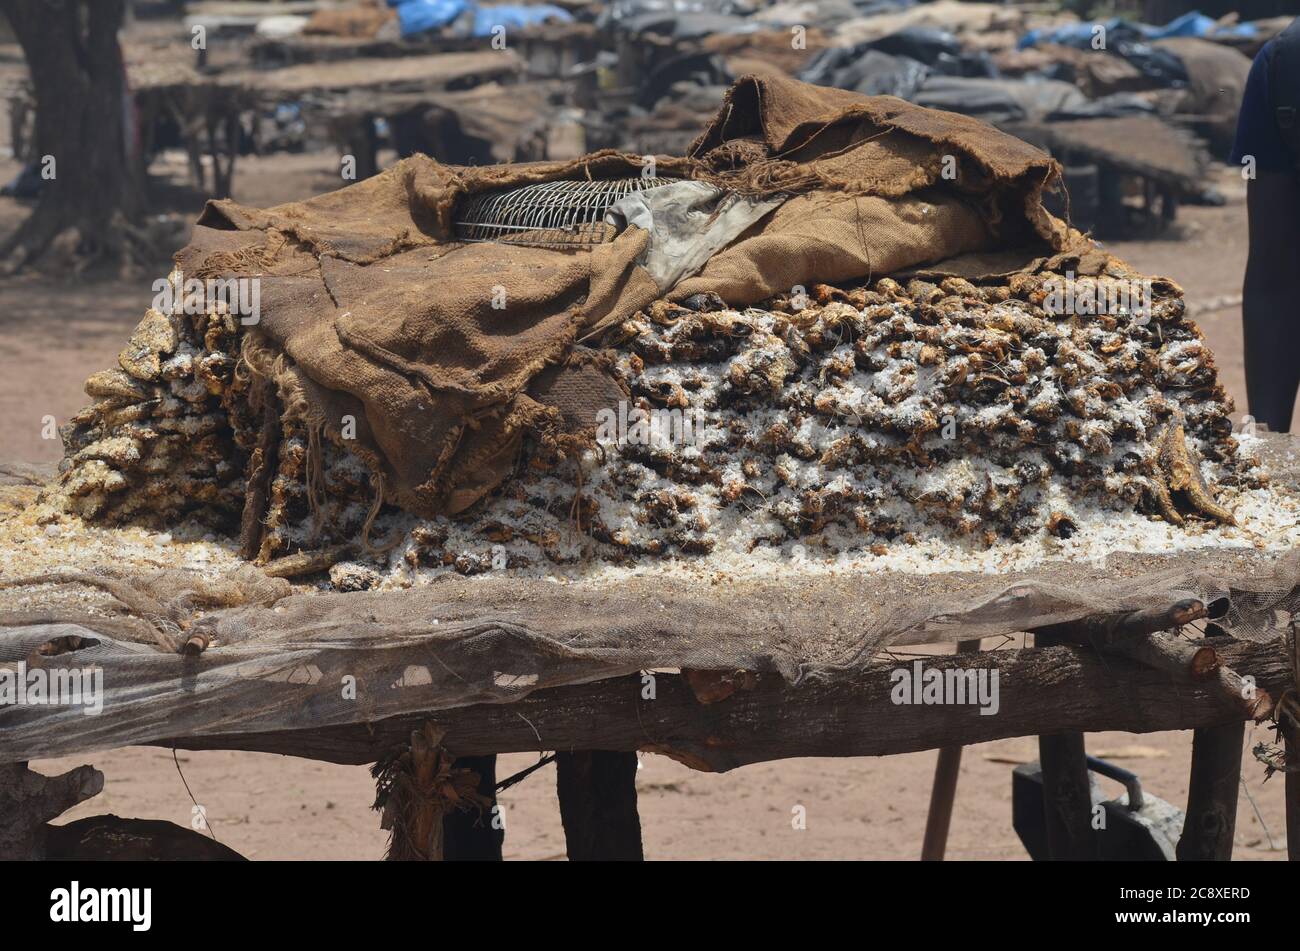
{"points": [[371, 309]]}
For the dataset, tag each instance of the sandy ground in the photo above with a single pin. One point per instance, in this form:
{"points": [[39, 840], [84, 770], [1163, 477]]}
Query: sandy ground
{"points": [[58, 329]]}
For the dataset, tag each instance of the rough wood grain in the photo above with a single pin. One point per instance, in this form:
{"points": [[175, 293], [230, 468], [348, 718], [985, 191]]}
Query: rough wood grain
{"points": [[1212, 794], [29, 799], [1067, 799], [597, 792], [1067, 786], [111, 838], [1043, 691], [1138, 636]]}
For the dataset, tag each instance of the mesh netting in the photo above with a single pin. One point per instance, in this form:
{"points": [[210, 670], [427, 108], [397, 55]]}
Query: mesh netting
{"points": [[285, 664]]}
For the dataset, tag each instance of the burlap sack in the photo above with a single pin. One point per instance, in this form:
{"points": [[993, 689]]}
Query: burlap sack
{"points": [[370, 309]]}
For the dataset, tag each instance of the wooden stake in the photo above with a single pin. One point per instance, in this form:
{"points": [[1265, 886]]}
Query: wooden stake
{"points": [[942, 795], [944, 792], [1212, 794], [597, 792], [1109, 630], [419, 788], [1136, 635], [415, 810]]}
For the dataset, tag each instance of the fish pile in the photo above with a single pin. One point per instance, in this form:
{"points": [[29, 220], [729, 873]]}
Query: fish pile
{"points": [[859, 419], [839, 419], [174, 434], [168, 433]]}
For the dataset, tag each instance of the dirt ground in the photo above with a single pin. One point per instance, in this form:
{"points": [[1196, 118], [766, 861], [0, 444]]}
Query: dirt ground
{"points": [[58, 329]]}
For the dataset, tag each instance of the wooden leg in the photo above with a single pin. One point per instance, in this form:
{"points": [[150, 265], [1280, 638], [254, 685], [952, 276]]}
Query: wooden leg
{"points": [[942, 795], [364, 146], [471, 835], [944, 791], [597, 792], [194, 154], [1067, 792], [233, 136], [211, 140], [1067, 798], [1212, 796]]}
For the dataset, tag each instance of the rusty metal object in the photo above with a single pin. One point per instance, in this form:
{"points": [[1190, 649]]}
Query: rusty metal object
{"points": [[559, 214]]}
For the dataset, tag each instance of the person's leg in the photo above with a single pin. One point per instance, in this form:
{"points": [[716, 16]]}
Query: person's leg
{"points": [[470, 835], [1271, 299]]}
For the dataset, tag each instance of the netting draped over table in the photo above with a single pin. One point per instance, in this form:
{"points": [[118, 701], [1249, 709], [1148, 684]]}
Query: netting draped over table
{"points": [[285, 664]]}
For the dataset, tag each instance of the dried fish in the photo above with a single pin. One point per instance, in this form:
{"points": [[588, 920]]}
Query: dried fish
{"points": [[852, 419]]}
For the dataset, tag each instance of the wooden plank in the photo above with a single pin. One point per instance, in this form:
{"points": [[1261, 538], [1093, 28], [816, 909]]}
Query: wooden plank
{"points": [[1044, 691], [1212, 794], [597, 790]]}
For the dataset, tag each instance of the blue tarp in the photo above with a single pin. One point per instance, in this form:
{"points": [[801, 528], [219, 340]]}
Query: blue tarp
{"points": [[417, 16], [515, 17], [1199, 25], [1189, 24], [420, 16]]}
